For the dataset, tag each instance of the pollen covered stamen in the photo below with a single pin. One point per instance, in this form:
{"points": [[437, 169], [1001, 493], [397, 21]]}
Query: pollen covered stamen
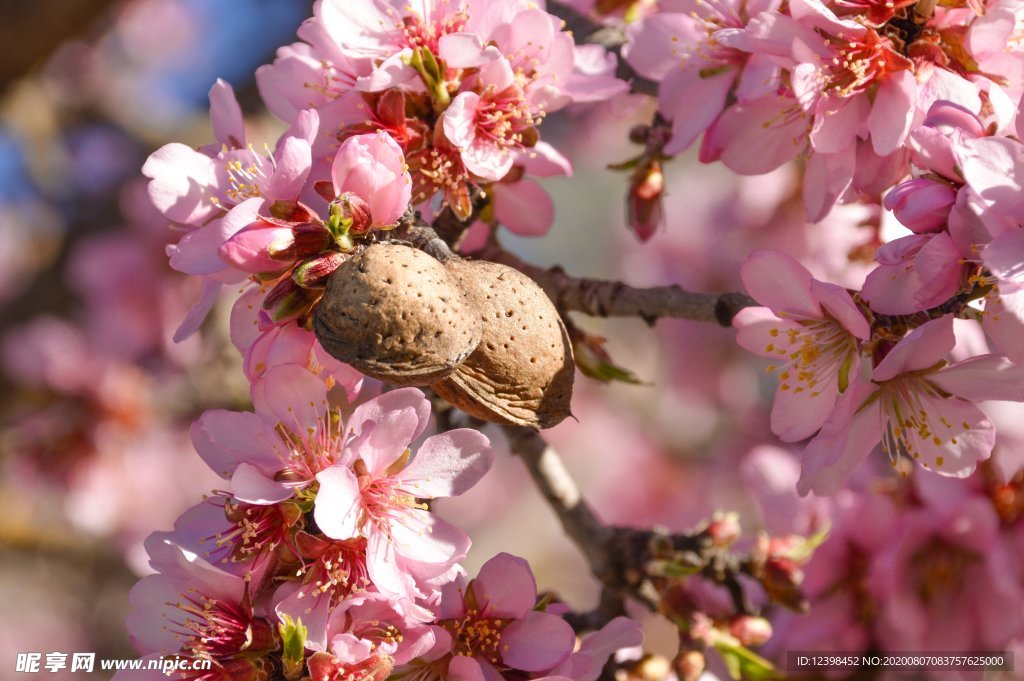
{"points": [[814, 355], [477, 635]]}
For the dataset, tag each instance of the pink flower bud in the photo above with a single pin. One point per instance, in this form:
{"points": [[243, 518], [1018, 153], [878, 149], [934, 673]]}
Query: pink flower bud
{"points": [[373, 168], [946, 117], [724, 529], [921, 204], [750, 631]]}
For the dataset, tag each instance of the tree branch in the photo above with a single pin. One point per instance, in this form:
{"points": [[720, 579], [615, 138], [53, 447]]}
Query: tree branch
{"points": [[621, 558], [602, 298]]}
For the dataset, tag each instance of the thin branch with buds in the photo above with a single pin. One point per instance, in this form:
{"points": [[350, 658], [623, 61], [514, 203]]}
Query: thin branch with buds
{"points": [[621, 558]]}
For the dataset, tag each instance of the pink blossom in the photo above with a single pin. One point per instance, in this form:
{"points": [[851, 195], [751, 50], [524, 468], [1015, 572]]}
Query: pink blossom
{"points": [[695, 58], [196, 611], [492, 624], [374, 491], [921, 204], [489, 126], [278, 450], [373, 168], [811, 326], [950, 557], [917, 407], [915, 273], [191, 187]]}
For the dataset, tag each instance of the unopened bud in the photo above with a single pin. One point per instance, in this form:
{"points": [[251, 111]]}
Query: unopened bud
{"points": [[724, 529], [308, 238], [391, 108], [290, 211], [782, 580], [351, 214], [287, 300], [293, 642], [313, 272], [690, 664], [643, 204], [751, 631]]}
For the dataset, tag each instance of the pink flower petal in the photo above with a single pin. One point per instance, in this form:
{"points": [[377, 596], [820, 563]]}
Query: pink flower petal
{"points": [[892, 112], [797, 416], [756, 137], [208, 296], [225, 439], [294, 160], [1003, 321], [464, 668], [382, 442], [424, 538], [763, 333], [954, 449], [226, 116], [693, 100], [292, 396], [181, 180], [920, 349], [845, 440], [448, 464], [338, 503], [778, 281], [840, 306], [250, 485], [978, 379], [523, 207], [537, 642], [505, 587], [374, 411], [459, 119]]}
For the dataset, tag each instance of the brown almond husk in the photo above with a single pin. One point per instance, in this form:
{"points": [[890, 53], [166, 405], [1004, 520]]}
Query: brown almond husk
{"points": [[395, 313], [522, 372]]}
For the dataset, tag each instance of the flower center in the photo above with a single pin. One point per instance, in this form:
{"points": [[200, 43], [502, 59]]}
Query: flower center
{"points": [[504, 119], [211, 628], [476, 635], [817, 352], [419, 32], [861, 62], [940, 570], [909, 422], [340, 569]]}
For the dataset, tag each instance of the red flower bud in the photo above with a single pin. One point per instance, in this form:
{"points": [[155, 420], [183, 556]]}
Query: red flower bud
{"points": [[313, 272]]}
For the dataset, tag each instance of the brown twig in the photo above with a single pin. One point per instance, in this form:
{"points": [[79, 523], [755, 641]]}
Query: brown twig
{"points": [[602, 298], [595, 297], [620, 557]]}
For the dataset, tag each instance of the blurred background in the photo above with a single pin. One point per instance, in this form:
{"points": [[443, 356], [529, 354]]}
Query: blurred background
{"points": [[96, 400]]}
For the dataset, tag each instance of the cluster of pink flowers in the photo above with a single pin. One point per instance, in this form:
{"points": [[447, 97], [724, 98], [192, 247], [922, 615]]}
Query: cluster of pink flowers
{"points": [[388, 105], [319, 557], [898, 560], [321, 554], [843, 84], [908, 105]]}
